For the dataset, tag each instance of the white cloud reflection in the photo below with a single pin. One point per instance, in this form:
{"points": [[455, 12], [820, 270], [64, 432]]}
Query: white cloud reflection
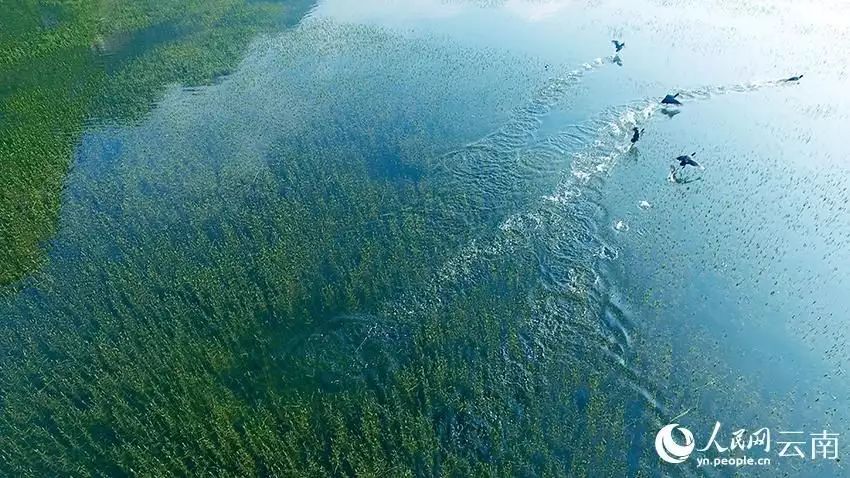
{"points": [[535, 11], [401, 11]]}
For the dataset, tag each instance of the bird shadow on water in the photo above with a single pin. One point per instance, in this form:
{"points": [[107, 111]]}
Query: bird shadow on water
{"points": [[686, 180]]}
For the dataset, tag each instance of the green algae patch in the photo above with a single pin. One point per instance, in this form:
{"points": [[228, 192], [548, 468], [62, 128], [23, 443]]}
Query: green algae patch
{"points": [[277, 281], [64, 63]]}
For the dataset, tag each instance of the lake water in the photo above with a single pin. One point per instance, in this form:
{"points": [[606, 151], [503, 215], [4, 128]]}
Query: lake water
{"points": [[411, 238]]}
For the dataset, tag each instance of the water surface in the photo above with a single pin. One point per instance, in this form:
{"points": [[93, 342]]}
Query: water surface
{"points": [[411, 239]]}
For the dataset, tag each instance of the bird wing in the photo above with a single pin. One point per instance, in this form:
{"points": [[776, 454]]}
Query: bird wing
{"points": [[694, 163]]}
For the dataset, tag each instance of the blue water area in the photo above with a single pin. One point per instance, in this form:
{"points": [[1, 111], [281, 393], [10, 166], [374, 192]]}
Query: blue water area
{"points": [[424, 223]]}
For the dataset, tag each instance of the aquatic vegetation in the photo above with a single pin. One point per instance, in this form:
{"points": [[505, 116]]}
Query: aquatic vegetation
{"points": [[231, 343], [362, 252], [63, 63], [271, 311]]}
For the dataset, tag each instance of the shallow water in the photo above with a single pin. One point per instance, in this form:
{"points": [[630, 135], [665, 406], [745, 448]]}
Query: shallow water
{"points": [[410, 238]]}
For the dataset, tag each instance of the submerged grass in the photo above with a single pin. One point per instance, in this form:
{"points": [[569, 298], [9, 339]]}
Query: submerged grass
{"points": [[258, 339], [62, 63], [210, 319]]}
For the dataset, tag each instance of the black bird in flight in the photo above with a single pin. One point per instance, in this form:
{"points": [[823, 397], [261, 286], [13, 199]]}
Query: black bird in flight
{"points": [[671, 100], [688, 160], [619, 46], [636, 135]]}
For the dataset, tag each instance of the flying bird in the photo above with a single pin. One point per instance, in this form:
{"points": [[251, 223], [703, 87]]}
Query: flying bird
{"points": [[688, 160], [671, 100], [793, 78], [618, 45], [636, 135]]}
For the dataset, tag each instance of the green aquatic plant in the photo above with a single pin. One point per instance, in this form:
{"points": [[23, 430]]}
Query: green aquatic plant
{"points": [[237, 297], [64, 63], [305, 319]]}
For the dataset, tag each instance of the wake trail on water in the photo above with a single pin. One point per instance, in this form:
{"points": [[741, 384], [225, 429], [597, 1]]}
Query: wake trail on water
{"points": [[577, 309], [594, 148], [525, 120], [480, 158], [563, 229], [485, 166]]}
